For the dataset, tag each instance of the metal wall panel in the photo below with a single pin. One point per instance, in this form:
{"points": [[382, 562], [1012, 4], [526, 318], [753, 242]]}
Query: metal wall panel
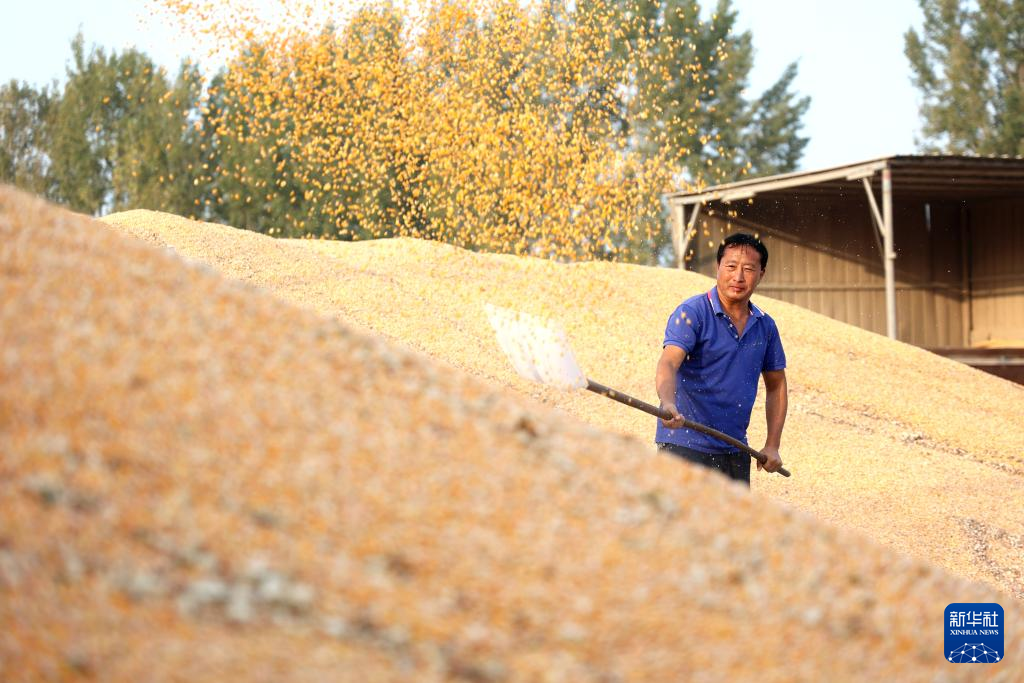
{"points": [[997, 271]]}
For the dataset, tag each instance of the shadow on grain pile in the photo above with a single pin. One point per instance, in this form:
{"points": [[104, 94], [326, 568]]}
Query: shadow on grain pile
{"points": [[200, 482]]}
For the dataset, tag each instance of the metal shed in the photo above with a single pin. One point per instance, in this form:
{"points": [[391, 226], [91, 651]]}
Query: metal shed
{"points": [[925, 249]]}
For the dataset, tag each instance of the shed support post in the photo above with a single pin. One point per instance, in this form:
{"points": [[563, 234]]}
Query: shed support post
{"points": [[876, 215], [678, 231], [687, 231], [889, 254]]}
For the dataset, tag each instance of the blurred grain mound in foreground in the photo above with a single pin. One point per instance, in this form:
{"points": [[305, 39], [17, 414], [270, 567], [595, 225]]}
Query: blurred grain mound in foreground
{"points": [[200, 482], [918, 452]]}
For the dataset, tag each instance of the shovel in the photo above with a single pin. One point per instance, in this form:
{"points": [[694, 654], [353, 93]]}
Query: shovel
{"points": [[541, 353]]}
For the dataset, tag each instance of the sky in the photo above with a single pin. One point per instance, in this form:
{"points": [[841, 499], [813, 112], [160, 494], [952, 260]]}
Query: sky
{"points": [[849, 54]]}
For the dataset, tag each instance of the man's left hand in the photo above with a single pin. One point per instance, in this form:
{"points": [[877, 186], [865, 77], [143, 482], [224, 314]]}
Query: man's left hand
{"points": [[773, 461]]}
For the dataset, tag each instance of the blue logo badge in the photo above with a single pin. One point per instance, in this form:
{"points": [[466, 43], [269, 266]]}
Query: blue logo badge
{"points": [[974, 633]]}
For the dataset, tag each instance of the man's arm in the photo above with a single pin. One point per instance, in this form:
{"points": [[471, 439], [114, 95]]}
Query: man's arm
{"points": [[775, 406], [665, 382]]}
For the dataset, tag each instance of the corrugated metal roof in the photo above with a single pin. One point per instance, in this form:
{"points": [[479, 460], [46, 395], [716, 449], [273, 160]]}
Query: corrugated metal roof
{"points": [[948, 177]]}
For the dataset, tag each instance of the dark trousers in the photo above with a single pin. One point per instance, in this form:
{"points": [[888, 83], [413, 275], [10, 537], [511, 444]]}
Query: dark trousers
{"points": [[735, 465]]}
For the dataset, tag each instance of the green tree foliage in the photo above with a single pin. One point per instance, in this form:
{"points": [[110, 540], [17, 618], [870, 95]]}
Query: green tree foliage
{"points": [[693, 74], [258, 180], [122, 136], [24, 112], [968, 63], [249, 174]]}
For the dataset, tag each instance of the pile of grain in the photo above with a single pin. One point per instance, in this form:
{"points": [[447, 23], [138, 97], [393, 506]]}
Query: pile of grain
{"points": [[201, 482], [916, 451]]}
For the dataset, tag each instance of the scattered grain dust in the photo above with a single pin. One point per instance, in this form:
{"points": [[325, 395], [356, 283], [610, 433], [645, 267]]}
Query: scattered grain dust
{"points": [[202, 482]]}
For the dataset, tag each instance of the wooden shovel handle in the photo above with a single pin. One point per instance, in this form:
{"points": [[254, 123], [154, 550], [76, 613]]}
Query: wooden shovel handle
{"points": [[665, 415]]}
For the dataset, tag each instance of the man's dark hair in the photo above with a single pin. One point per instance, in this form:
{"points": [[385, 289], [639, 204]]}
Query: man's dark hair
{"points": [[744, 239]]}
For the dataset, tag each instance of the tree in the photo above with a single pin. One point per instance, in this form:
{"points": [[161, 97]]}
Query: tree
{"points": [[23, 136], [690, 78], [547, 128], [157, 137], [487, 126], [968, 63], [121, 136], [246, 160]]}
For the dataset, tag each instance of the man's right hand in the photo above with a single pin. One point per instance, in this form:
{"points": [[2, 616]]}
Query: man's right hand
{"points": [[665, 383], [677, 420]]}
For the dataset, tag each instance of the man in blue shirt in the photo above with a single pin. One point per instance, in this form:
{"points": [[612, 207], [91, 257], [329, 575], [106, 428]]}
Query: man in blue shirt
{"points": [[716, 346]]}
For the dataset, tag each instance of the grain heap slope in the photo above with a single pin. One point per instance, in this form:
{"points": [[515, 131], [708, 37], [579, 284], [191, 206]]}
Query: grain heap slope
{"points": [[200, 482], [918, 452]]}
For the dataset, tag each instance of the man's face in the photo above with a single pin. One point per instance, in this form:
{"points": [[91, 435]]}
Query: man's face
{"points": [[739, 273]]}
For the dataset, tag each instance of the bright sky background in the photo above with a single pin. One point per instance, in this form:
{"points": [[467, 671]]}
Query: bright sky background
{"points": [[850, 56]]}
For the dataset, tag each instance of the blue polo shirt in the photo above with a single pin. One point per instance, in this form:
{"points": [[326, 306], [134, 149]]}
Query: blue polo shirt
{"points": [[717, 382]]}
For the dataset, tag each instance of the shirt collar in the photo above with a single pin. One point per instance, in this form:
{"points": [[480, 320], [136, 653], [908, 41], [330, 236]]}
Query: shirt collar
{"points": [[716, 304]]}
